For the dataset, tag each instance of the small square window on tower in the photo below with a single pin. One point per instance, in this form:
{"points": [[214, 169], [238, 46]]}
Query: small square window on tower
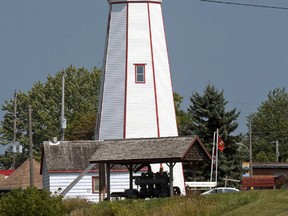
{"points": [[140, 73]]}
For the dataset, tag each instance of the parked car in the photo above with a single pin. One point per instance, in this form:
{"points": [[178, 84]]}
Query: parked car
{"points": [[220, 190]]}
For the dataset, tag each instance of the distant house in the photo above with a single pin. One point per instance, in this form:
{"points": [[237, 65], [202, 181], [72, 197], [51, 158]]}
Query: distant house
{"points": [[64, 161], [267, 175], [272, 168], [20, 178]]}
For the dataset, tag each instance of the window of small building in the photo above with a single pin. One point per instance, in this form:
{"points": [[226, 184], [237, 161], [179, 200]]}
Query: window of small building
{"points": [[140, 73], [95, 184]]}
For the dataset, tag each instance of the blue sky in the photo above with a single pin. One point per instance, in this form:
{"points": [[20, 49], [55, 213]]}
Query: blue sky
{"points": [[241, 50]]}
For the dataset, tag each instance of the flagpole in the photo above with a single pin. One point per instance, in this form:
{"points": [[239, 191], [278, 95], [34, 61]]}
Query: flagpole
{"points": [[216, 174], [212, 158]]}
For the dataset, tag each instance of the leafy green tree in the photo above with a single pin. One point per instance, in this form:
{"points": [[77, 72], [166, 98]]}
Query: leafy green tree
{"points": [[31, 201], [208, 112], [269, 124], [81, 99], [182, 117], [82, 127]]}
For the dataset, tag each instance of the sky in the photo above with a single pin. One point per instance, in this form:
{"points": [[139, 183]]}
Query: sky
{"points": [[240, 50]]}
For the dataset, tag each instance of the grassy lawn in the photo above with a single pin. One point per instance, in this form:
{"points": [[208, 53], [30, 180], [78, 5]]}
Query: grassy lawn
{"points": [[268, 203], [254, 203]]}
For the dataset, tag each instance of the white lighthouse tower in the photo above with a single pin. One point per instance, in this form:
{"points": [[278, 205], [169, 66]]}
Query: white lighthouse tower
{"points": [[136, 99]]}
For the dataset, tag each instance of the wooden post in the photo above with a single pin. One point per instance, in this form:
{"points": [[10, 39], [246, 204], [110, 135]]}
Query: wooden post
{"points": [[108, 181], [131, 176], [102, 178], [31, 148], [14, 131], [171, 179], [63, 120], [250, 149]]}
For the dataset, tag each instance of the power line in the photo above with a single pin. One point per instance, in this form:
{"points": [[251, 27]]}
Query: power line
{"points": [[246, 4]]}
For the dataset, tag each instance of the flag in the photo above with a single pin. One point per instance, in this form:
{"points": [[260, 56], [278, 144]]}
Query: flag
{"points": [[221, 144]]}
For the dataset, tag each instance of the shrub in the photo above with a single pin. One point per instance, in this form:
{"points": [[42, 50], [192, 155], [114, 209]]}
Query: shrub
{"points": [[77, 206], [31, 201]]}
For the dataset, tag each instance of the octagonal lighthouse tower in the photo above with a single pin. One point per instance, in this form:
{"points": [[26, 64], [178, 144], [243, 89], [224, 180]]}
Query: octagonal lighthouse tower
{"points": [[136, 98]]}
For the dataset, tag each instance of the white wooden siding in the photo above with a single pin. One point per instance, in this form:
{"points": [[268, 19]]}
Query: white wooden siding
{"points": [[166, 110], [112, 113], [141, 115], [120, 181], [141, 112], [83, 189]]}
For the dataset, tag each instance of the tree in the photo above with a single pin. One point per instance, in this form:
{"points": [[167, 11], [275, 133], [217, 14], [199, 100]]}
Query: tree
{"points": [[182, 117], [208, 113], [82, 127], [269, 124], [81, 100]]}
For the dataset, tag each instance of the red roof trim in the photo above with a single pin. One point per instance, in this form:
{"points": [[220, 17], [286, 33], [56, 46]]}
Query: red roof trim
{"points": [[6, 172], [91, 171], [80, 171]]}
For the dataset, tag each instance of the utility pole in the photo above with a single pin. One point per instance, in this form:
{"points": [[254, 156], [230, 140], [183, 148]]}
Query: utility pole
{"points": [[250, 149], [63, 120], [277, 150], [14, 131], [31, 148]]}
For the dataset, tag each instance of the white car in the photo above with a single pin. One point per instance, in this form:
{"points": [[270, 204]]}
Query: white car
{"points": [[220, 190]]}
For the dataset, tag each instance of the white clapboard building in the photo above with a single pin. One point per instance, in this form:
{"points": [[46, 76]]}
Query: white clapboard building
{"points": [[63, 161], [136, 93]]}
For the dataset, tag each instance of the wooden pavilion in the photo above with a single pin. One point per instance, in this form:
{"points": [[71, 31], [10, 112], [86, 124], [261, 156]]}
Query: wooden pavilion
{"points": [[133, 153]]}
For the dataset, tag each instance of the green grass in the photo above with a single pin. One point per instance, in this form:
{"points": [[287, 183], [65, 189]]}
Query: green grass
{"points": [[254, 203], [268, 202]]}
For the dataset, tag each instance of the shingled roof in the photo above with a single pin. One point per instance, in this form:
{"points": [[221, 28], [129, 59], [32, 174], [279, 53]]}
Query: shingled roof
{"points": [[270, 165], [20, 178], [68, 155], [151, 150], [76, 155]]}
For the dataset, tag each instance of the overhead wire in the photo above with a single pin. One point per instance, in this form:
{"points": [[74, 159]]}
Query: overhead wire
{"points": [[245, 4]]}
